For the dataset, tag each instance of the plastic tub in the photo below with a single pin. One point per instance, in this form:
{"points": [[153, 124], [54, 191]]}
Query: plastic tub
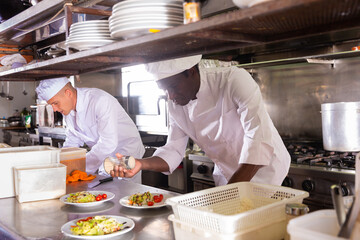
{"points": [[319, 225], [40, 182], [185, 231], [220, 209], [74, 158], [22, 156]]}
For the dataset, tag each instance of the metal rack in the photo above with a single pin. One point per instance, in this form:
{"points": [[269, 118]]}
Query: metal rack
{"points": [[280, 23]]}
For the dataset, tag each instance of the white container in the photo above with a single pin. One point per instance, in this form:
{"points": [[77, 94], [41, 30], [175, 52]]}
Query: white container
{"points": [[185, 231], [74, 158], [219, 209], [319, 225], [40, 182], [22, 156]]}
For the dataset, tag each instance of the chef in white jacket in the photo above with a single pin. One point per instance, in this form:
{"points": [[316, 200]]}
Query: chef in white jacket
{"points": [[222, 111], [95, 118]]}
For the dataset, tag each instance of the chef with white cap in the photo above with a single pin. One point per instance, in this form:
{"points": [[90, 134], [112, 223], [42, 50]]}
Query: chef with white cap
{"points": [[95, 118], [222, 111]]}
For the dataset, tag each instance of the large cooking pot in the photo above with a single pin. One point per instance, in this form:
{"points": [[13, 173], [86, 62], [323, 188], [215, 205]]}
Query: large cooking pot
{"points": [[341, 126]]}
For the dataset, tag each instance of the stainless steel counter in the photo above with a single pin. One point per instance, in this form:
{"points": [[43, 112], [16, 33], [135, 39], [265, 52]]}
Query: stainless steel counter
{"points": [[43, 219]]}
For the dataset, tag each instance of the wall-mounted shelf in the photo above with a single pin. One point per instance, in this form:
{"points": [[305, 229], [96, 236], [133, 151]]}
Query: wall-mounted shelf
{"points": [[267, 23]]}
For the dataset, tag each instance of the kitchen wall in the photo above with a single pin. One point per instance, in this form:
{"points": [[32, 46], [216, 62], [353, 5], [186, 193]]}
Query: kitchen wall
{"points": [[7, 108], [294, 93], [109, 81]]}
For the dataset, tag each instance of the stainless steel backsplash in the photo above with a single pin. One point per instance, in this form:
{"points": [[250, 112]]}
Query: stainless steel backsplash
{"points": [[294, 93]]}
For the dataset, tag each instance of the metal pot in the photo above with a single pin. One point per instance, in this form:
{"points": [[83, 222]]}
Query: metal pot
{"points": [[341, 126]]}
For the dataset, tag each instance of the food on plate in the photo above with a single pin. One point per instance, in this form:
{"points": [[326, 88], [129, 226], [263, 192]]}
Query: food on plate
{"points": [[97, 225], [85, 197], [145, 198]]}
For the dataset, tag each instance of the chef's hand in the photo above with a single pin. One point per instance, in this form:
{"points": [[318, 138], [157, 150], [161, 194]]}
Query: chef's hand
{"points": [[119, 171]]}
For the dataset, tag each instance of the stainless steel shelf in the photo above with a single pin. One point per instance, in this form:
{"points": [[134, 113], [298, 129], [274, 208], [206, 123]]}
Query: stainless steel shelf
{"points": [[267, 23]]}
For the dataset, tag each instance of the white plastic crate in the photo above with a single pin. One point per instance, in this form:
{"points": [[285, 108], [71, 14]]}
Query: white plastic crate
{"points": [[185, 231], [40, 182], [218, 209], [22, 156]]}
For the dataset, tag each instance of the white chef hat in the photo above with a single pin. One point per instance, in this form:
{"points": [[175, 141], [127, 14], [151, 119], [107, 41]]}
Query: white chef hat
{"points": [[50, 87], [168, 68]]}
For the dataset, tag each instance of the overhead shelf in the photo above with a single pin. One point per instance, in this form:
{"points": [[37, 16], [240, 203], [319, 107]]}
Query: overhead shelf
{"points": [[267, 23]]}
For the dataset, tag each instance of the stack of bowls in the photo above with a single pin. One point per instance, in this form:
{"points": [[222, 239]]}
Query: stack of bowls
{"points": [[132, 18], [89, 34]]}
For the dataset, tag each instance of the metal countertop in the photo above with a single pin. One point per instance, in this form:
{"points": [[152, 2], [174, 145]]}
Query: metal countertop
{"points": [[43, 219]]}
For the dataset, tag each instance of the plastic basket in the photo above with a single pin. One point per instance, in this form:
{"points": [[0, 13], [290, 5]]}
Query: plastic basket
{"points": [[184, 231], [219, 209]]}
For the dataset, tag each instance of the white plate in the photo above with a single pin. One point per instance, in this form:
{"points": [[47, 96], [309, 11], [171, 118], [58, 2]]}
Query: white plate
{"points": [[110, 196], [136, 31], [139, 11], [145, 24], [147, 17], [91, 22], [122, 3], [90, 30], [85, 36], [147, 5], [93, 28], [141, 1], [65, 229], [88, 39], [86, 45], [124, 202]]}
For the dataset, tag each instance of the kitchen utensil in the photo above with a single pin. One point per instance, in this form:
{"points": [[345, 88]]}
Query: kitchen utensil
{"points": [[24, 91], [8, 97], [2, 94], [352, 215], [100, 181], [341, 126], [338, 202]]}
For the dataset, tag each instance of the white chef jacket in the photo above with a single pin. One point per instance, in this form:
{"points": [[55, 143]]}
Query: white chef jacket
{"points": [[229, 122], [101, 123]]}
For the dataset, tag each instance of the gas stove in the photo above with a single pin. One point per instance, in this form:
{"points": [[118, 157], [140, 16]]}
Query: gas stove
{"points": [[313, 156], [314, 170]]}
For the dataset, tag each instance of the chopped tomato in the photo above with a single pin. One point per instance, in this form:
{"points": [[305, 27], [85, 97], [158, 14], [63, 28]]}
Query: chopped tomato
{"points": [[150, 203], [104, 196], [157, 199]]}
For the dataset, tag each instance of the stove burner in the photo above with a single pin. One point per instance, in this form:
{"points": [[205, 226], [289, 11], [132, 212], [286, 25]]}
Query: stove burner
{"points": [[314, 156]]}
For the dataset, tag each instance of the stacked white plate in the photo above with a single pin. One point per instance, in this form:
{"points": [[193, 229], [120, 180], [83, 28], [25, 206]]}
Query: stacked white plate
{"points": [[89, 34], [132, 18]]}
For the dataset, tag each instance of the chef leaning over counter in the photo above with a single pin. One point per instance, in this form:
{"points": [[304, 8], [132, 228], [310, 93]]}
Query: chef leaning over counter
{"points": [[222, 111], [95, 118]]}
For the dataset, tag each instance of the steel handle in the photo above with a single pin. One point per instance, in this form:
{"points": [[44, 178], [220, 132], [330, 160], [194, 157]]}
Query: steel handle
{"points": [[338, 203]]}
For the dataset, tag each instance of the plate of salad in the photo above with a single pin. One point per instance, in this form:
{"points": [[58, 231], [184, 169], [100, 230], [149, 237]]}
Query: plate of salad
{"points": [[87, 198], [97, 227], [144, 200]]}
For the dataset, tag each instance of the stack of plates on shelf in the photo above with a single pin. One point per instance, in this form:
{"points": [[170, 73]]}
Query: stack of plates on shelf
{"points": [[132, 18], [89, 34]]}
